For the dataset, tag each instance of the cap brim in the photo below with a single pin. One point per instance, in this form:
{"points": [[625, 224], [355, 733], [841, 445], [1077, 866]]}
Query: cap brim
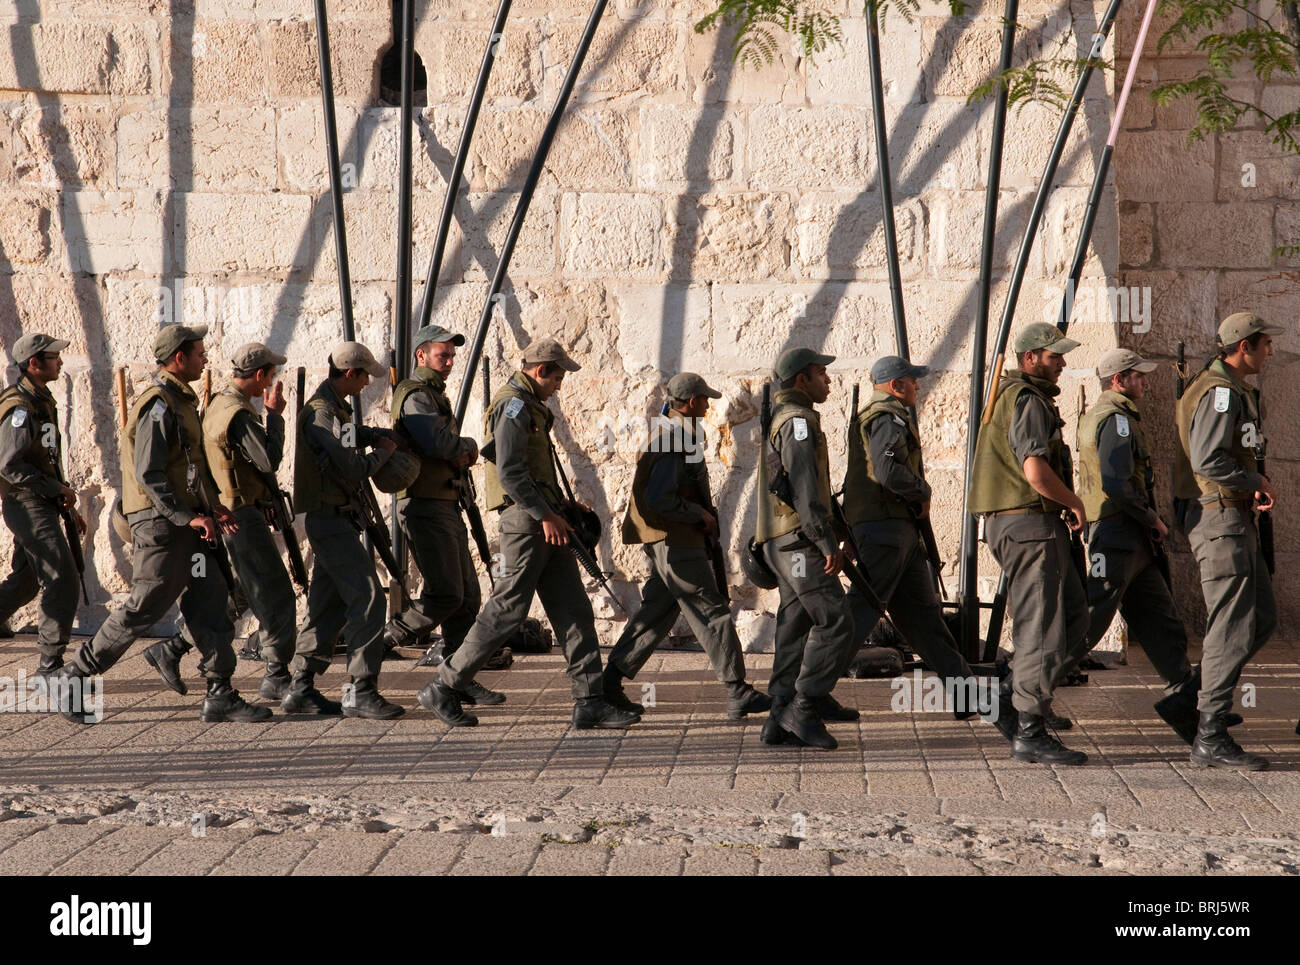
{"points": [[919, 371], [1062, 345], [822, 360], [378, 370], [1273, 330], [457, 339], [711, 393], [200, 331], [1146, 367], [568, 364], [58, 345]]}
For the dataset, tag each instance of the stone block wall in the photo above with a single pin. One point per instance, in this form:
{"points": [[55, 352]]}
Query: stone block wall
{"points": [[164, 160]]}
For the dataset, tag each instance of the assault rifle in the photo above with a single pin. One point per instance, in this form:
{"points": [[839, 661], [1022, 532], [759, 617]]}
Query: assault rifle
{"points": [[712, 544], [586, 531]]}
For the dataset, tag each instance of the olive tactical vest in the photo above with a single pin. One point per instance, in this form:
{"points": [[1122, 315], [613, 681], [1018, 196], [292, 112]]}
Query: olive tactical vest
{"points": [[538, 454], [238, 480], [185, 459], [775, 517], [642, 524], [437, 479], [998, 479], [865, 498], [41, 411], [1094, 497], [315, 487], [1188, 485]]}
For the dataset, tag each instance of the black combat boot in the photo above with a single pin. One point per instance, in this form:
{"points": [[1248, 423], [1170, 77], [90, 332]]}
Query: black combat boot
{"points": [[801, 718], [589, 712], [446, 703], [49, 665], [613, 679], [398, 634], [276, 682], [772, 733], [1178, 710], [1034, 745], [363, 699], [304, 698], [1008, 720], [1214, 746], [164, 658], [476, 695], [67, 694], [743, 699], [223, 703], [831, 709], [6, 632]]}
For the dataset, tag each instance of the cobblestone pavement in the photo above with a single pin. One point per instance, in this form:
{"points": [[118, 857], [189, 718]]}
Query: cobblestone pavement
{"points": [[152, 790]]}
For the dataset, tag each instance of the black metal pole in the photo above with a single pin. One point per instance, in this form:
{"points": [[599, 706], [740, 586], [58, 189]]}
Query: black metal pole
{"points": [[884, 180], [968, 591], [490, 54], [521, 208], [402, 296], [1045, 186], [336, 178], [1099, 180]]}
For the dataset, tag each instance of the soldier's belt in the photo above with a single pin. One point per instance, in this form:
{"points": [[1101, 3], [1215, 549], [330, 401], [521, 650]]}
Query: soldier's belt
{"points": [[1242, 504], [1022, 511]]}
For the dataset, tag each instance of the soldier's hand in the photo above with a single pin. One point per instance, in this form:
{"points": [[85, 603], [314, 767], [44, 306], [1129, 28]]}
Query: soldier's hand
{"points": [[710, 523], [80, 522], [67, 496], [556, 528], [385, 443], [469, 456], [1159, 531], [205, 527], [1076, 516], [834, 563], [226, 520], [1266, 496], [275, 400]]}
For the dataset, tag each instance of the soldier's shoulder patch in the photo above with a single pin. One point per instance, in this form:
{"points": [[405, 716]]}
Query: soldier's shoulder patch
{"points": [[800, 428], [514, 407], [1121, 426], [157, 410], [1222, 396], [19, 418]]}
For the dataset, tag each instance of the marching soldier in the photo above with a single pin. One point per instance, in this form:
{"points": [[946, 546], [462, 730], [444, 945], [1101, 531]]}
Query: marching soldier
{"points": [[1217, 478], [31, 482], [522, 485], [885, 493], [671, 513], [1126, 537], [345, 595], [429, 511], [170, 502], [1021, 484], [243, 454], [800, 543]]}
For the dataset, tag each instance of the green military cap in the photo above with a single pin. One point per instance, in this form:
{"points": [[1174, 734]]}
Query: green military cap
{"points": [[436, 333], [1241, 325], [1119, 360], [896, 367], [685, 386], [34, 344], [795, 360], [252, 356], [354, 355], [549, 350], [1043, 335], [169, 341]]}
